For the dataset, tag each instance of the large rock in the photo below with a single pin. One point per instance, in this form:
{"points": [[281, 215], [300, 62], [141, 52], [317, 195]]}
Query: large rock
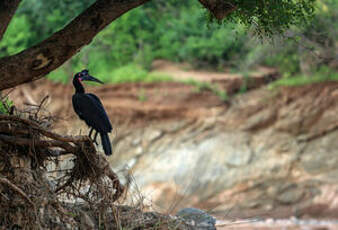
{"points": [[197, 218], [270, 150]]}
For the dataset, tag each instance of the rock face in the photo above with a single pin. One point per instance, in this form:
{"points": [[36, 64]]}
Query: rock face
{"points": [[271, 152]]}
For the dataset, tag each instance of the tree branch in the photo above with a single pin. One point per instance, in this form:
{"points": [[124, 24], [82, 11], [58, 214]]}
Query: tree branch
{"points": [[7, 10], [219, 8], [41, 143], [37, 61]]}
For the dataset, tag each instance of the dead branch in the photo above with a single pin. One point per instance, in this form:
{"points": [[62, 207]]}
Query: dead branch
{"points": [[40, 106], [39, 143]]}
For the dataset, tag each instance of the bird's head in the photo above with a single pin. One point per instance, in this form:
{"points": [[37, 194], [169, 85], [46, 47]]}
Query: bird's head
{"points": [[84, 76]]}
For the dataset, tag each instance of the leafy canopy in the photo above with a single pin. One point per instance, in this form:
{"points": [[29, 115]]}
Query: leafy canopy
{"points": [[269, 17], [174, 30]]}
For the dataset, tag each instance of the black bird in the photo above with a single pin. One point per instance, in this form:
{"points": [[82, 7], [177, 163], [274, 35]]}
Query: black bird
{"points": [[90, 109]]}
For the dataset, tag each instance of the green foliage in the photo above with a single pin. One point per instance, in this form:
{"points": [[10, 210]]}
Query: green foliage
{"points": [[206, 86], [15, 38], [244, 86], [124, 51], [133, 73], [312, 46], [5, 105], [190, 38], [59, 75], [46, 17], [324, 27], [285, 57], [127, 73], [159, 30], [271, 16], [324, 74], [222, 94]]}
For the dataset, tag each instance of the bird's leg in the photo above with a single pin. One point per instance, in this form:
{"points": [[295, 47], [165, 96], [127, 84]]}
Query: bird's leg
{"points": [[90, 133], [95, 136], [90, 136]]}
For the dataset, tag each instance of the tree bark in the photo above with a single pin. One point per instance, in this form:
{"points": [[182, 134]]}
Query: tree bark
{"points": [[37, 61], [7, 10], [219, 8]]}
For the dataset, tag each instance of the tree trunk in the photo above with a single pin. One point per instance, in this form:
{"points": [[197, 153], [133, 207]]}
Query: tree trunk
{"points": [[37, 61], [7, 10]]}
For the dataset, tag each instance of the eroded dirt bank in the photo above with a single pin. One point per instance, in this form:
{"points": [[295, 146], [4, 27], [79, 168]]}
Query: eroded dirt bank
{"points": [[266, 153]]}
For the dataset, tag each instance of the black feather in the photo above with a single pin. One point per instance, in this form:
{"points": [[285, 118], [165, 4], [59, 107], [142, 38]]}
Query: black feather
{"points": [[106, 144]]}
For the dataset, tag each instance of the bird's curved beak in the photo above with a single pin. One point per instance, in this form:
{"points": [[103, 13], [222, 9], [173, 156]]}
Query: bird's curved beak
{"points": [[90, 78]]}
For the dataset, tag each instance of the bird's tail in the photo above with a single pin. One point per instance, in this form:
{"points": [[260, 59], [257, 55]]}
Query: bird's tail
{"points": [[106, 144]]}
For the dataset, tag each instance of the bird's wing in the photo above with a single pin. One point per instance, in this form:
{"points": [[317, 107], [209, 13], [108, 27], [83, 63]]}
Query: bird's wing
{"points": [[93, 96], [90, 109], [100, 106]]}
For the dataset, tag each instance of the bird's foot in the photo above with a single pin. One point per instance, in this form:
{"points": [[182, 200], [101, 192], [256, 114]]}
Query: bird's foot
{"points": [[93, 140], [95, 136]]}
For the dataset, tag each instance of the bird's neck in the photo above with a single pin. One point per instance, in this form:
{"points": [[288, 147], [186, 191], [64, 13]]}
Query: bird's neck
{"points": [[78, 86]]}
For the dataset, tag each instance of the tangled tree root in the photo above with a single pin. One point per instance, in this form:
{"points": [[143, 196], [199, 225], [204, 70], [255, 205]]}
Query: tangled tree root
{"points": [[27, 197], [82, 196]]}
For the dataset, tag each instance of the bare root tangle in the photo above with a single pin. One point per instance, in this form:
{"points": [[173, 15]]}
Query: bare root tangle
{"points": [[27, 197]]}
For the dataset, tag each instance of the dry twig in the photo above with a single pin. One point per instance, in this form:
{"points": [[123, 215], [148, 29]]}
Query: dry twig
{"points": [[16, 189]]}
